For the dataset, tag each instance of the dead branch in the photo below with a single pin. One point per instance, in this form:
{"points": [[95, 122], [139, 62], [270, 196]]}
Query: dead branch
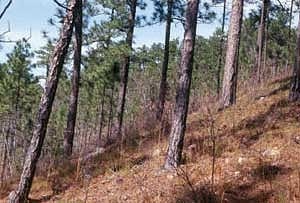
{"points": [[5, 8]]}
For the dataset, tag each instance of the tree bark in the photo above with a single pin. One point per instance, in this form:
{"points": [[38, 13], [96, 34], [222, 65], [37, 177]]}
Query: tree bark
{"points": [[221, 50], [73, 101], [34, 151], [125, 69], [164, 70], [3, 166], [183, 87], [295, 81], [261, 39], [228, 96]]}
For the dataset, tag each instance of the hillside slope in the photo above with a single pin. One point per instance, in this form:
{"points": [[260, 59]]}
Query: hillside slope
{"points": [[257, 150]]}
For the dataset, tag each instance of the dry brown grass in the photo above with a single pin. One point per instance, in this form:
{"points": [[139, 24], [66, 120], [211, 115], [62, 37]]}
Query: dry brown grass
{"points": [[257, 159]]}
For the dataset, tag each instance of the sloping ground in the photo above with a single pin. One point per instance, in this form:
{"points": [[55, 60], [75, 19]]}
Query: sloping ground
{"points": [[257, 159]]}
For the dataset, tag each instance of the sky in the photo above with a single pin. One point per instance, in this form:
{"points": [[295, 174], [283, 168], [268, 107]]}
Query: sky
{"points": [[31, 16]]}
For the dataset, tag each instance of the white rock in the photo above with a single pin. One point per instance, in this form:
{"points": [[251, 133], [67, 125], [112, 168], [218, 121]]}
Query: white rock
{"points": [[272, 153]]}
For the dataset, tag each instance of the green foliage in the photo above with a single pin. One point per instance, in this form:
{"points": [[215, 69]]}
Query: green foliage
{"points": [[19, 89], [278, 49]]}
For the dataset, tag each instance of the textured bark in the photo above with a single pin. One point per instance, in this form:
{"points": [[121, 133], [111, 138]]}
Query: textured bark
{"points": [[3, 165], [73, 100], [261, 39], [164, 70], [125, 69], [44, 111], [228, 96], [220, 62], [174, 153], [295, 82]]}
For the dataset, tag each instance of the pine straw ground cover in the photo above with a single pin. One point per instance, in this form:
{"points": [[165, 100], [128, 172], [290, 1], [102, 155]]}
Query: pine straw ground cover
{"points": [[256, 149]]}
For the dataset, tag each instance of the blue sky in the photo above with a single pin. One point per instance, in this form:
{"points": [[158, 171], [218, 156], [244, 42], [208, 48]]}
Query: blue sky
{"points": [[22, 16], [26, 15]]}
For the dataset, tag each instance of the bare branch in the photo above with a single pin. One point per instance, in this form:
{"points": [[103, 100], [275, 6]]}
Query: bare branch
{"points": [[7, 31], [14, 41], [61, 5], [281, 5], [29, 37], [5, 8]]}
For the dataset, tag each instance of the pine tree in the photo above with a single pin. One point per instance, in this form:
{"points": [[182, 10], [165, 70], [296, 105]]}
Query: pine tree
{"points": [[73, 99], [176, 138], [34, 151], [228, 96], [261, 39]]}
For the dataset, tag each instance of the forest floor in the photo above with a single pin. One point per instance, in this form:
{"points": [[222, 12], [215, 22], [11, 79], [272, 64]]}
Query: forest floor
{"points": [[257, 159]]}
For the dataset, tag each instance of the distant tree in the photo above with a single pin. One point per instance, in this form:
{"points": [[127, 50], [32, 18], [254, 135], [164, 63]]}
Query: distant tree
{"points": [[290, 30], [40, 128], [295, 82], [44, 55], [19, 91], [228, 96], [220, 61], [164, 70], [183, 87], [132, 6], [261, 38]]}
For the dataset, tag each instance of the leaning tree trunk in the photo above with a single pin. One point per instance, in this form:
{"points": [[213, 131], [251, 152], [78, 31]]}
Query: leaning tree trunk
{"points": [[125, 69], [295, 82], [260, 39], [72, 111], [164, 70], [34, 151], [228, 96], [183, 87], [220, 61]]}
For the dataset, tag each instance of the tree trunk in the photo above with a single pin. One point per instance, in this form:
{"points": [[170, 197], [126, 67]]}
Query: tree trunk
{"points": [[164, 70], [228, 96], [72, 111], [3, 166], [290, 32], [183, 87], [110, 117], [260, 39], [125, 69], [266, 42], [34, 151], [101, 116], [295, 82], [220, 62]]}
